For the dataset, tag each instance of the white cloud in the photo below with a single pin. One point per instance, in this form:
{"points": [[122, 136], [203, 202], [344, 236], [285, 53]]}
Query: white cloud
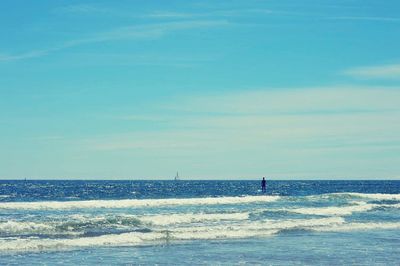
{"points": [[383, 71], [27, 55], [83, 9], [154, 30], [346, 131], [324, 100], [133, 32], [364, 18]]}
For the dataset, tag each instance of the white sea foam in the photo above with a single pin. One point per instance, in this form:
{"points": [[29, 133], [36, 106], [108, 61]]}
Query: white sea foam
{"points": [[335, 211], [112, 239], [250, 229], [171, 219], [359, 227], [233, 222], [17, 227], [397, 206], [78, 223], [237, 230], [221, 233], [376, 196], [38, 228], [58, 205], [241, 230]]}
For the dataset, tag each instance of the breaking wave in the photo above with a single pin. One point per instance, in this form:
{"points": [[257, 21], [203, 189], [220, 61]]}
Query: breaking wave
{"points": [[247, 230], [354, 195], [74, 224], [80, 224], [335, 211], [170, 219], [60, 205]]}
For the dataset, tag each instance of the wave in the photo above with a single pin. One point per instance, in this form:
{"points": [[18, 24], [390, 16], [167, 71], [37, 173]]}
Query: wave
{"points": [[171, 219], [133, 238], [357, 206], [335, 211], [16, 227], [155, 220], [360, 227], [373, 196], [69, 226], [127, 203], [81, 224], [248, 229], [264, 226], [59, 205]]}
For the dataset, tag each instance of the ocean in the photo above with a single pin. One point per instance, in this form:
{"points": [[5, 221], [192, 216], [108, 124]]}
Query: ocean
{"points": [[199, 222]]}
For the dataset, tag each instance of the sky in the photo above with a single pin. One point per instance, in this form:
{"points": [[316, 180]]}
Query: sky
{"points": [[285, 89]]}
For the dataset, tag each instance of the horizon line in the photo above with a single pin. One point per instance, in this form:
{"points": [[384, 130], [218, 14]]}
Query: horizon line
{"points": [[195, 179]]}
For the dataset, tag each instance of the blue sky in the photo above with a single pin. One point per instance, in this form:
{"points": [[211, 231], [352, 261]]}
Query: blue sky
{"points": [[214, 89]]}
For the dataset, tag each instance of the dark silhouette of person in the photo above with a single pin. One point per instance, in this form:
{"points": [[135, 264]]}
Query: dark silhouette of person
{"points": [[263, 185]]}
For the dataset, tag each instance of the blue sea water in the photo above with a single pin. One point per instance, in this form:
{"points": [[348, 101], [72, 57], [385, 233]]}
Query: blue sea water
{"points": [[199, 223]]}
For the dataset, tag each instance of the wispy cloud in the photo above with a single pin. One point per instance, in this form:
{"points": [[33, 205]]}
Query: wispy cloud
{"points": [[102, 10], [329, 129], [150, 31], [382, 72], [278, 115], [132, 32], [134, 59], [208, 14], [297, 100], [83, 9], [215, 11], [169, 14], [27, 55], [364, 18]]}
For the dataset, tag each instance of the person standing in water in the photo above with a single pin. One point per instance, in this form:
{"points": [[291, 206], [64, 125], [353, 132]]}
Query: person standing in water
{"points": [[263, 185]]}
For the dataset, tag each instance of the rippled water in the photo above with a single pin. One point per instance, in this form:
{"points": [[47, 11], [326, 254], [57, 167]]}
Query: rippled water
{"points": [[150, 222]]}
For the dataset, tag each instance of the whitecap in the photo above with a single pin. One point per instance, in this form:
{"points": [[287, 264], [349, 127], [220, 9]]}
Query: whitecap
{"points": [[172, 219], [24, 227], [58, 205], [335, 211], [374, 196], [359, 227], [242, 230]]}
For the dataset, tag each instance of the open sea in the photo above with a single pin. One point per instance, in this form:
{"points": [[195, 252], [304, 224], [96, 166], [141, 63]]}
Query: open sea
{"points": [[199, 223]]}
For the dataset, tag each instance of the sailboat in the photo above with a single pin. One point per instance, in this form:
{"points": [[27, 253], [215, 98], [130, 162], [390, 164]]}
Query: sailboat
{"points": [[177, 177]]}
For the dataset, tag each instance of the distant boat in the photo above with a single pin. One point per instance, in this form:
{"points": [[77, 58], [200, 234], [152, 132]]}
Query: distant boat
{"points": [[177, 177]]}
